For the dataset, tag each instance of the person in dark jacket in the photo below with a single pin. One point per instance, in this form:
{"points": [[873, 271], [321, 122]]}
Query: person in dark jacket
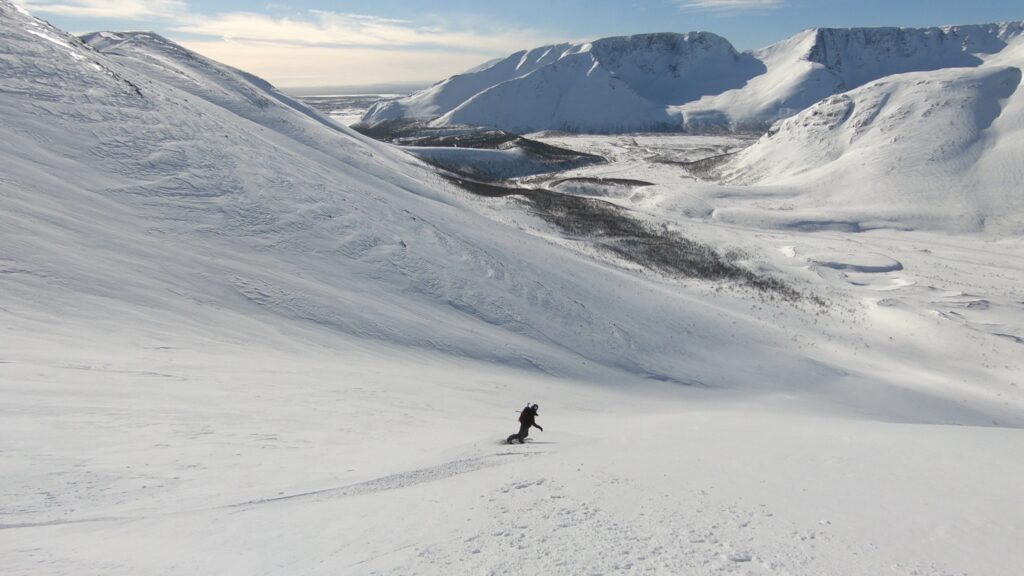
{"points": [[527, 419]]}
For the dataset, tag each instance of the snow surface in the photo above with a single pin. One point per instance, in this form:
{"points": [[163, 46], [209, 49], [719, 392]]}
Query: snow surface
{"points": [[239, 338], [695, 81]]}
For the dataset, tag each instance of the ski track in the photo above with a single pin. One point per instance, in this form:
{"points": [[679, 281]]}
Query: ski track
{"points": [[393, 481], [48, 523], [386, 483]]}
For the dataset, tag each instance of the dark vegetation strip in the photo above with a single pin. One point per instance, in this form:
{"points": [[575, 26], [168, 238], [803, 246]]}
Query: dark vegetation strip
{"points": [[611, 228], [413, 133], [418, 134], [625, 182], [705, 168]]}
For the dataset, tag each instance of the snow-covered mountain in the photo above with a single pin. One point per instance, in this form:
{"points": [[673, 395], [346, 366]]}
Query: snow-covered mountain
{"points": [[612, 84], [818, 63], [239, 338], [692, 81], [940, 149], [224, 200]]}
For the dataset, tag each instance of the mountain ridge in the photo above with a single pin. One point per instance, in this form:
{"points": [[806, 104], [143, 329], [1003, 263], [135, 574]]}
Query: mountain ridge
{"points": [[690, 81]]}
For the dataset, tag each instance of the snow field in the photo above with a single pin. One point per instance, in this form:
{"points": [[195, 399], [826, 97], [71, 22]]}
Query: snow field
{"points": [[279, 464]]}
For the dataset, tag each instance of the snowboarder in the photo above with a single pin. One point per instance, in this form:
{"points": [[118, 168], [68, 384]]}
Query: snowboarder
{"points": [[527, 418]]}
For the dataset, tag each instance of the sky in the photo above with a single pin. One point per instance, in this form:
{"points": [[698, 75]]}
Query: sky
{"points": [[306, 43]]}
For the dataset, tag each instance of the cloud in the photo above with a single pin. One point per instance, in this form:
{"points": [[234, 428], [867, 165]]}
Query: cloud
{"points": [[111, 9], [300, 66], [316, 46], [727, 5], [348, 49], [306, 28], [334, 29]]}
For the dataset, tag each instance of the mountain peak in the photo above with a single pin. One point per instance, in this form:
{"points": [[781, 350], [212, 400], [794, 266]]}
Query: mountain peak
{"points": [[634, 76]]}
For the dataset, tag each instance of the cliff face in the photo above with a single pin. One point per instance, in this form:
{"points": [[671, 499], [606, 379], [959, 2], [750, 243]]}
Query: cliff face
{"points": [[860, 55], [818, 63]]}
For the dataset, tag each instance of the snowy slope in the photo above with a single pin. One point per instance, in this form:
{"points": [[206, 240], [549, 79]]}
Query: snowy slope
{"points": [[937, 150], [448, 94], [694, 81], [998, 175], [241, 199]]}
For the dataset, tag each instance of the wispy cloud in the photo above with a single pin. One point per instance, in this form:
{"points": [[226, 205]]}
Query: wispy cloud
{"points": [[316, 46], [288, 65], [305, 28], [727, 5], [323, 28], [112, 9]]}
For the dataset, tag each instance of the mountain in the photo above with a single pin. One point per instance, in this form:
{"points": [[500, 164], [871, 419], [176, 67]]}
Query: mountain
{"points": [[146, 185], [939, 150], [694, 81], [818, 63], [612, 84]]}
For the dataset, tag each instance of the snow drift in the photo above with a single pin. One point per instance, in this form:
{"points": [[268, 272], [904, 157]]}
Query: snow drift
{"points": [[694, 81]]}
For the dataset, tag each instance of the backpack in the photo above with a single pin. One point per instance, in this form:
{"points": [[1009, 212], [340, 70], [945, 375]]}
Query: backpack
{"points": [[524, 415]]}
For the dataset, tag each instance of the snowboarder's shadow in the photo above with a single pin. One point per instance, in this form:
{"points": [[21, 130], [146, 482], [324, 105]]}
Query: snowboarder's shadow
{"points": [[528, 442]]}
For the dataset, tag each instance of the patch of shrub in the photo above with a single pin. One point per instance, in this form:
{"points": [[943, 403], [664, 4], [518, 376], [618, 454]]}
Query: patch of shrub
{"points": [[613, 229]]}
